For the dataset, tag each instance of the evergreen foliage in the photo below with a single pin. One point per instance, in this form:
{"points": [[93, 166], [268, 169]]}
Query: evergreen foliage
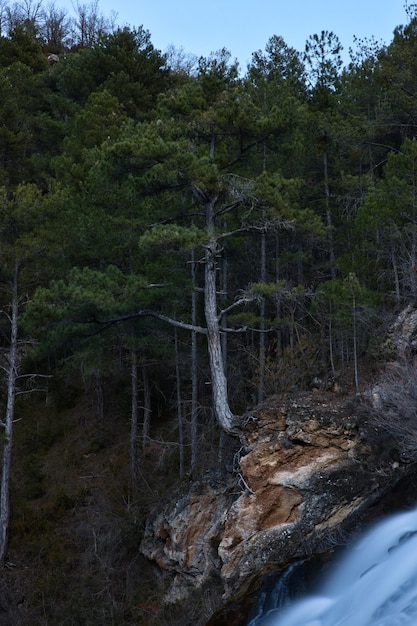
{"points": [[269, 215]]}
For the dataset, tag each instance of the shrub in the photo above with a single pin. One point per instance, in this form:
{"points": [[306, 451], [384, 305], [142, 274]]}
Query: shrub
{"points": [[391, 411]]}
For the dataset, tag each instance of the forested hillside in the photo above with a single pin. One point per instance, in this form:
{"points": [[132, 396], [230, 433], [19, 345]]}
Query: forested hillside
{"points": [[179, 238]]}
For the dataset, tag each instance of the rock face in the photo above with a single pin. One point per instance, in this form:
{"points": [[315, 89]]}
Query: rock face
{"points": [[402, 335], [183, 537], [301, 473], [303, 481]]}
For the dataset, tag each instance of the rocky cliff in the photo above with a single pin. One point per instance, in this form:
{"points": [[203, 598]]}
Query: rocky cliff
{"points": [[309, 474], [303, 483]]}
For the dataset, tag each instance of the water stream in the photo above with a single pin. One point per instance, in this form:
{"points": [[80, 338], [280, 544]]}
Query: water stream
{"points": [[373, 584]]}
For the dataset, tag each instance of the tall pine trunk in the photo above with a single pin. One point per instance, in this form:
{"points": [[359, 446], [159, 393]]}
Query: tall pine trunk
{"points": [[9, 419], [221, 407], [261, 383]]}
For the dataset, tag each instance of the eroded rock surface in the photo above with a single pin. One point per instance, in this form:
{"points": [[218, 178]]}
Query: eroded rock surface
{"points": [[307, 473], [302, 481], [183, 537], [312, 472], [402, 335]]}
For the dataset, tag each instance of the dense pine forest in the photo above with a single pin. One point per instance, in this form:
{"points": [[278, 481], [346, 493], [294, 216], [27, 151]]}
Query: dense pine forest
{"points": [[179, 239]]}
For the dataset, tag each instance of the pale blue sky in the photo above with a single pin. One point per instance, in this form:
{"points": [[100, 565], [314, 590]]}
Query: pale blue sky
{"points": [[244, 26]]}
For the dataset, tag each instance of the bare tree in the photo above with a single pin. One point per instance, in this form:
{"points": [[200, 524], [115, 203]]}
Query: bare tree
{"points": [[7, 424], [26, 14], [88, 23], [180, 61], [56, 28], [3, 17]]}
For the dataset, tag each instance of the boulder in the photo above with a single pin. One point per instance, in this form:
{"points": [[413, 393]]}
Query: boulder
{"points": [[302, 483]]}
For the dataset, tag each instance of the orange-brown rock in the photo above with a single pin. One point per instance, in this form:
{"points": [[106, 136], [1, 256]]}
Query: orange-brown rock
{"points": [[312, 471], [304, 478]]}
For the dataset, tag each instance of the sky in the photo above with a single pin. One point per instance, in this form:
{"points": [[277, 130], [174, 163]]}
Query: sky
{"points": [[245, 26]]}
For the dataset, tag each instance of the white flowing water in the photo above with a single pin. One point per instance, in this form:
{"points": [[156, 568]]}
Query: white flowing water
{"points": [[374, 583]]}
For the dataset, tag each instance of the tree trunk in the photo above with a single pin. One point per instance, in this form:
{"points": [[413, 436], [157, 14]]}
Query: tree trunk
{"points": [[355, 344], [222, 412], [331, 357], [223, 342], [146, 406], [134, 414], [8, 422], [194, 361], [179, 406], [99, 393], [223, 299], [261, 383], [329, 221], [395, 272], [221, 408]]}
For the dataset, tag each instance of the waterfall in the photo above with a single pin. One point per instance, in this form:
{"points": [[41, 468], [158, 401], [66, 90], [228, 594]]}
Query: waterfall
{"points": [[374, 583], [278, 595]]}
